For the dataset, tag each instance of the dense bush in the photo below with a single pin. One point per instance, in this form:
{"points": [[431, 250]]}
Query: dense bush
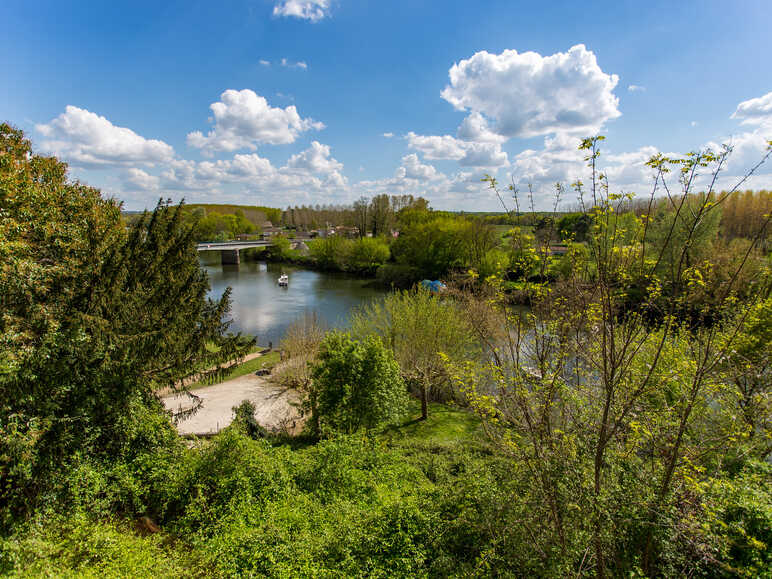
{"points": [[362, 256], [356, 384]]}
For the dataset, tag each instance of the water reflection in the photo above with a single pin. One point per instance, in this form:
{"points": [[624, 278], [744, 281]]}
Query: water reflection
{"points": [[261, 307]]}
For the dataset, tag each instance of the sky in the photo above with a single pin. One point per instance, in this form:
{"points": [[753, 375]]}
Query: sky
{"points": [[292, 102]]}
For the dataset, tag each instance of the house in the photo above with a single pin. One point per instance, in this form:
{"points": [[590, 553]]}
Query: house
{"points": [[350, 232], [269, 232]]}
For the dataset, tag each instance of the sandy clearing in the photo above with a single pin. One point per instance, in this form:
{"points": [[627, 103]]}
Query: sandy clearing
{"points": [[274, 409]]}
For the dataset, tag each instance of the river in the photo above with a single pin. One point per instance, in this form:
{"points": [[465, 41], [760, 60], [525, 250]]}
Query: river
{"points": [[261, 308]]}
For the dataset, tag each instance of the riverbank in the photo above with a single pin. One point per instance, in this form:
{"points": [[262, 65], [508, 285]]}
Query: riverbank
{"points": [[276, 407]]}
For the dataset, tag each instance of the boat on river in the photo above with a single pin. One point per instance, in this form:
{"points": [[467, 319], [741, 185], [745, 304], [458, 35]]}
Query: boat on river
{"points": [[284, 280]]}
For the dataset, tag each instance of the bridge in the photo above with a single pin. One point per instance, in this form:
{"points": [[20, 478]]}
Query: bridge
{"points": [[229, 250]]}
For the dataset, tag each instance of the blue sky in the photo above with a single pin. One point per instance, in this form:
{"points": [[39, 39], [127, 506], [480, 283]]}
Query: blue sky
{"points": [[279, 102]]}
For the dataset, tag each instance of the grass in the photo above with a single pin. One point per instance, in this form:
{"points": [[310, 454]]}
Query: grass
{"points": [[265, 361], [446, 425], [268, 360]]}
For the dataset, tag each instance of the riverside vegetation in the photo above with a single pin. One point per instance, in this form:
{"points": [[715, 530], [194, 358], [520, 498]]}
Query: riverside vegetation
{"points": [[620, 426]]}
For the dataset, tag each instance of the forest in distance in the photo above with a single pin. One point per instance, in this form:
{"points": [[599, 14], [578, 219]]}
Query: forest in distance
{"points": [[620, 425]]}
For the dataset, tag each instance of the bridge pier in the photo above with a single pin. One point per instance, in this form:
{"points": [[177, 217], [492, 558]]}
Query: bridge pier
{"points": [[229, 257]]}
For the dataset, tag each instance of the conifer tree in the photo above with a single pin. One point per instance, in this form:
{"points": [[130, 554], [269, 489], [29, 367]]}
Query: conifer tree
{"points": [[96, 317]]}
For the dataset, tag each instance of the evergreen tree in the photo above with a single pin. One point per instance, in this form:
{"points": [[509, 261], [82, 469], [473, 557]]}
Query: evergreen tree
{"points": [[96, 318]]}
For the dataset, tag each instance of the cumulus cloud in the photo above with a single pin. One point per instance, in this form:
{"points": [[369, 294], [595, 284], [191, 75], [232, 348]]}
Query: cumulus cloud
{"points": [[412, 168], [436, 147], [475, 128], [244, 119], [313, 10], [756, 111], [85, 138], [315, 159], [529, 94], [310, 174], [142, 179], [468, 154], [560, 161]]}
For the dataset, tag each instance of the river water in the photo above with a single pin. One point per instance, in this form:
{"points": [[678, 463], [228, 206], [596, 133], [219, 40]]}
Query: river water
{"points": [[263, 309]]}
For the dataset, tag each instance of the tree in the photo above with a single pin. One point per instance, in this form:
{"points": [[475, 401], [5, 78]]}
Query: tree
{"points": [[361, 215], [367, 254], [330, 252], [96, 318], [434, 247], [381, 215], [422, 331], [280, 247], [356, 384], [617, 422]]}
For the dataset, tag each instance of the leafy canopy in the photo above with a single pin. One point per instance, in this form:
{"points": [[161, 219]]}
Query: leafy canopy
{"points": [[356, 384]]}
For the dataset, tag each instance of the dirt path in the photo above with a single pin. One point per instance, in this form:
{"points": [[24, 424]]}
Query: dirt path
{"points": [[273, 404], [167, 392]]}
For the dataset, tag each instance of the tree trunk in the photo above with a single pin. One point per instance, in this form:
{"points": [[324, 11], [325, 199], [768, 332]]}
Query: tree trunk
{"points": [[424, 402]]}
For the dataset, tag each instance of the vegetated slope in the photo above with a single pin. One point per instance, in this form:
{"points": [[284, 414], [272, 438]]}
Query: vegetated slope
{"points": [[255, 213]]}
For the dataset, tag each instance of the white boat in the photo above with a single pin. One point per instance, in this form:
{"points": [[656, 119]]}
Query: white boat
{"points": [[284, 279]]}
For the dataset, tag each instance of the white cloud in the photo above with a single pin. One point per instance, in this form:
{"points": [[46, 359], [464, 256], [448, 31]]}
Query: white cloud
{"points": [[315, 159], [693, 123], [528, 94], [412, 168], [635, 88], [142, 179], [85, 138], [560, 161], [475, 128], [757, 111], [243, 119], [307, 177], [289, 64], [264, 62], [436, 147], [313, 10], [388, 135], [468, 154], [483, 155]]}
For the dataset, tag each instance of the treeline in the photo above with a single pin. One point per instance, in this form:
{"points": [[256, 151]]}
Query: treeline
{"points": [[742, 212], [214, 226], [377, 215], [256, 214]]}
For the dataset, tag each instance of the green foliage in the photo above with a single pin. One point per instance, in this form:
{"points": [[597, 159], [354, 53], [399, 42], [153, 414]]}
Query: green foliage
{"points": [[222, 227], [77, 546], [356, 384], [367, 254], [95, 319], [244, 418], [280, 248], [422, 330], [363, 255], [523, 257], [397, 275], [434, 247], [330, 252], [574, 227], [254, 213]]}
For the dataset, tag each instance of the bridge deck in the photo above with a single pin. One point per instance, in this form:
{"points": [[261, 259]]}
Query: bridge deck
{"points": [[231, 245]]}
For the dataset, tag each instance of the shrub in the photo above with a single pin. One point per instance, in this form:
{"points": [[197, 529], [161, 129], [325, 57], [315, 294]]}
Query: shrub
{"points": [[356, 384]]}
